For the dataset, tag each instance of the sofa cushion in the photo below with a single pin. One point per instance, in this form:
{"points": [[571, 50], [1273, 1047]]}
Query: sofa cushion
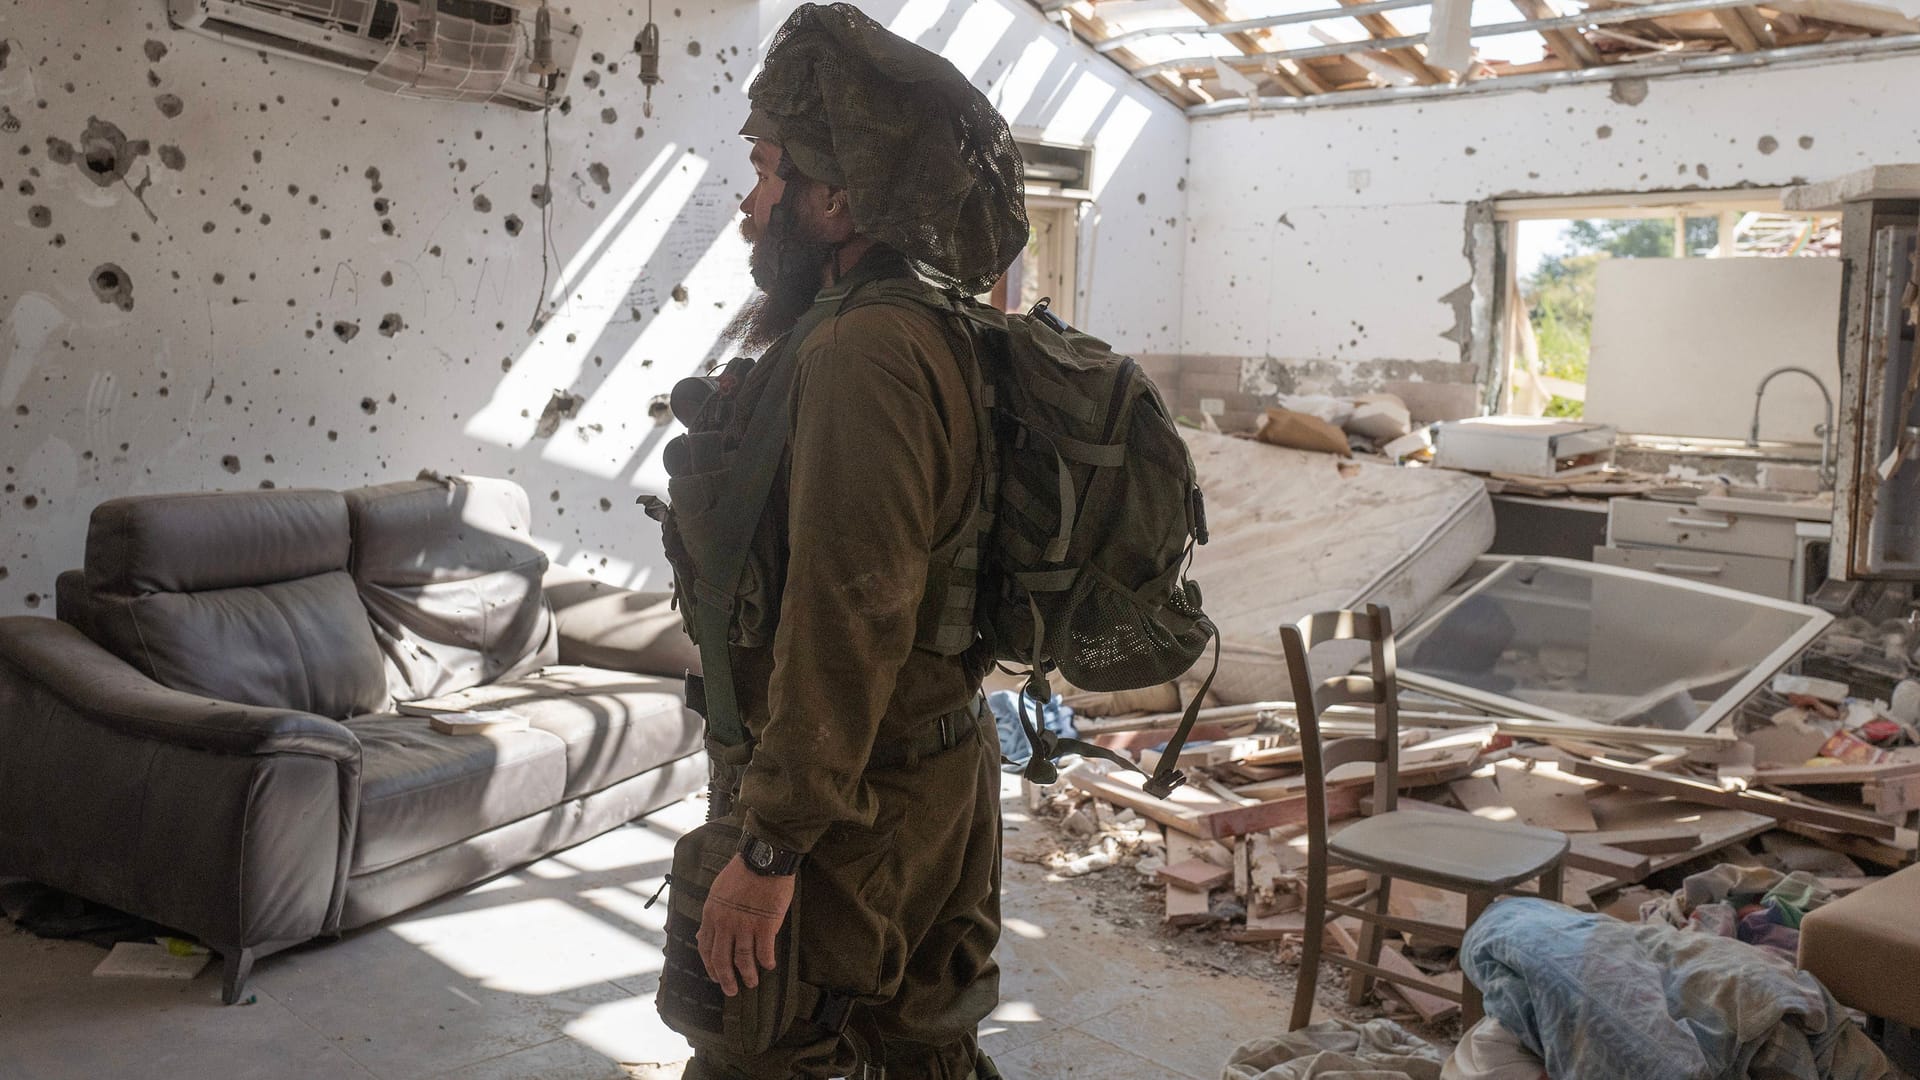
{"points": [[240, 596], [452, 581], [615, 725], [421, 790]]}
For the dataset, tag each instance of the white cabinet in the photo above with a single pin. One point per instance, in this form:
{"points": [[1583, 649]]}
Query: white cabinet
{"points": [[1756, 553]]}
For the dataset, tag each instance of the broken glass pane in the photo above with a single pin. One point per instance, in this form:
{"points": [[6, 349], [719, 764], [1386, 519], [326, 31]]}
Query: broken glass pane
{"points": [[1577, 642]]}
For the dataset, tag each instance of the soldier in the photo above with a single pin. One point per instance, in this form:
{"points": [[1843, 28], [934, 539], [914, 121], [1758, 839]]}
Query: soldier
{"points": [[865, 790]]}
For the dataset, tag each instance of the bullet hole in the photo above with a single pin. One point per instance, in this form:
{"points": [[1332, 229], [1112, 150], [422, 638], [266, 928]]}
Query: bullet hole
{"points": [[369, 406], [1604, 131], [326, 234], [387, 279], [1142, 199], [382, 207], [30, 501], [514, 224], [231, 463], [373, 177], [1768, 144], [156, 51], [112, 286], [609, 115], [59, 151], [639, 133], [3, 573], [563, 405], [605, 505], [680, 294], [1701, 171], [39, 216], [434, 251], [391, 324], [554, 495], [1806, 142], [333, 436], [33, 600], [172, 157], [219, 278], [387, 226], [693, 48], [293, 189], [169, 105], [541, 195], [591, 80], [346, 331], [207, 226], [506, 363], [153, 78], [660, 409], [26, 188], [599, 175], [1628, 91], [266, 485], [258, 157], [6, 50], [483, 204]]}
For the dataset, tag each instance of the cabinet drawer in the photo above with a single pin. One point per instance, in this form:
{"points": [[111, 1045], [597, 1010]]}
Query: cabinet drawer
{"points": [[1747, 573], [1638, 522]]}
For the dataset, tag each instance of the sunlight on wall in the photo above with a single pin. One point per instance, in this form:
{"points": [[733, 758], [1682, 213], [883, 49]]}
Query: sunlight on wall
{"points": [[980, 29], [1115, 139], [1016, 90], [1074, 121], [553, 360], [917, 17]]}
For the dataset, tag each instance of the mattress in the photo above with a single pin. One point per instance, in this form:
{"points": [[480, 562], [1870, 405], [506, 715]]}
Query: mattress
{"points": [[1294, 532]]}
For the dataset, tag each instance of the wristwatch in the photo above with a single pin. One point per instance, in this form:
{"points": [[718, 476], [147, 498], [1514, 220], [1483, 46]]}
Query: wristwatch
{"points": [[766, 860]]}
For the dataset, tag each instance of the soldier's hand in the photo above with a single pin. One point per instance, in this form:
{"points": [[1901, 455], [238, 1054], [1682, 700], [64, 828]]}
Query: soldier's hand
{"points": [[739, 924]]}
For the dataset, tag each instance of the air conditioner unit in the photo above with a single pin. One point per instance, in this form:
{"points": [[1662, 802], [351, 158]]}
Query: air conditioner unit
{"points": [[459, 50]]}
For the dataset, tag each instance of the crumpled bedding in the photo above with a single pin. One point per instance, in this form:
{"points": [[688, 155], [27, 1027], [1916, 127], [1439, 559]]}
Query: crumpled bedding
{"points": [[1754, 904], [1336, 1050], [1600, 999]]}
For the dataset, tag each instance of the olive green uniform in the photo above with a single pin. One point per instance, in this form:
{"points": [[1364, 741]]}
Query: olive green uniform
{"points": [[897, 903]]}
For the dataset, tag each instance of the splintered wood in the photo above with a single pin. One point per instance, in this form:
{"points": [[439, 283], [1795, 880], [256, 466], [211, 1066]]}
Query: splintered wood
{"points": [[1686, 801]]}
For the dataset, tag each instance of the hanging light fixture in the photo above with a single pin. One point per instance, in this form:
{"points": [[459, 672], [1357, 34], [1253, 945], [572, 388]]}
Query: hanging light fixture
{"points": [[648, 46], [542, 62]]}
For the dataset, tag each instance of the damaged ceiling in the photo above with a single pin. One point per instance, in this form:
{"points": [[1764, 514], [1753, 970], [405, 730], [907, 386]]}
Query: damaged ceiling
{"points": [[1212, 56]]}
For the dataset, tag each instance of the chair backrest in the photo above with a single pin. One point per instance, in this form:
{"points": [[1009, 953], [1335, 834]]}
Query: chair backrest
{"points": [[1312, 697]]}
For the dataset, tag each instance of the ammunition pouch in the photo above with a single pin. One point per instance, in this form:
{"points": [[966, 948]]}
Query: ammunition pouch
{"points": [[691, 1003]]}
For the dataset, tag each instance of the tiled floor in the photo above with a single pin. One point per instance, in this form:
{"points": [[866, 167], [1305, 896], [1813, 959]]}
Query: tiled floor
{"points": [[548, 973]]}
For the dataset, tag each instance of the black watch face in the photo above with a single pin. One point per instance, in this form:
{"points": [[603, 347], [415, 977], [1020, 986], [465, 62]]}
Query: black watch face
{"points": [[760, 854]]}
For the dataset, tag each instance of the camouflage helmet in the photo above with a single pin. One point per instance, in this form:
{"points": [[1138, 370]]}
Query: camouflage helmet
{"points": [[928, 164]]}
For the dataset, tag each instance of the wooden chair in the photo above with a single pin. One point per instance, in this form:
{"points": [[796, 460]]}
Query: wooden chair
{"points": [[1456, 852]]}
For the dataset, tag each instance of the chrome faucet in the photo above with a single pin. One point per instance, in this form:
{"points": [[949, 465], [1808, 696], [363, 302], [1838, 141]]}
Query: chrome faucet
{"points": [[1825, 431]]}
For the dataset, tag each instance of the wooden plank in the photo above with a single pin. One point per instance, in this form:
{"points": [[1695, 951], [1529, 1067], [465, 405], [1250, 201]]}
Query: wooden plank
{"points": [[1837, 774], [1707, 795], [1569, 45], [1889, 798], [1187, 908], [1618, 865], [1546, 799], [1855, 847], [1194, 875], [1342, 802], [1393, 966], [1285, 924], [1413, 60], [1737, 31], [1095, 30], [1654, 841], [1180, 811]]}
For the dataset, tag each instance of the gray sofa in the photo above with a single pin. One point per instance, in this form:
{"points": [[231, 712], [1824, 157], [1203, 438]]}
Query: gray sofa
{"points": [[205, 736]]}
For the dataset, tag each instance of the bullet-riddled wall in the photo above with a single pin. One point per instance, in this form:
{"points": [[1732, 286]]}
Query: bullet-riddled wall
{"points": [[1329, 249], [225, 270]]}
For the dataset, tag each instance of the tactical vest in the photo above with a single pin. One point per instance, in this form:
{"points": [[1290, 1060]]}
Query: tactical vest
{"points": [[724, 527]]}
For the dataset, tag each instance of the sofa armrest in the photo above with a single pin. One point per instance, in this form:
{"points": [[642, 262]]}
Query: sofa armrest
{"points": [[605, 626], [107, 690]]}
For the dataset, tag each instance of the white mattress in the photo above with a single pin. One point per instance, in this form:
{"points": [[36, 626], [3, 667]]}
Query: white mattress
{"points": [[1294, 532]]}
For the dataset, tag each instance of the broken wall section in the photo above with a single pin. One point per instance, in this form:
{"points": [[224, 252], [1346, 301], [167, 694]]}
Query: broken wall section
{"points": [[1330, 249]]}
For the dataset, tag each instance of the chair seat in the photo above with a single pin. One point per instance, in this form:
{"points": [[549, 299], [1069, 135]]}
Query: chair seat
{"points": [[1447, 849]]}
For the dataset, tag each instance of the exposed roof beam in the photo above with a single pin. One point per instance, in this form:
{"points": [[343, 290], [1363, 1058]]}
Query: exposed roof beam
{"points": [[1568, 45], [1096, 31], [1406, 56], [1247, 43], [1245, 25], [1738, 32], [1565, 22], [1698, 64]]}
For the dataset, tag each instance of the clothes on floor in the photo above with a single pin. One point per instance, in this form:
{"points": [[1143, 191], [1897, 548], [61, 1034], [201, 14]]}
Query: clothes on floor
{"points": [[1600, 999], [1755, 904], [1488, 1051], [1336, 1050]]}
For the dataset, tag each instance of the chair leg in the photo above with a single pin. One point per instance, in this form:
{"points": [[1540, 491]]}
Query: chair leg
{"points": [[238, 965], [1550, 881], [1470, 1009], [1309, 978], [1372, 936]]}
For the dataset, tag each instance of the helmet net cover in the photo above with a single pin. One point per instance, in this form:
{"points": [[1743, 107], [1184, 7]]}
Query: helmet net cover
{"points": [[928, 164]]}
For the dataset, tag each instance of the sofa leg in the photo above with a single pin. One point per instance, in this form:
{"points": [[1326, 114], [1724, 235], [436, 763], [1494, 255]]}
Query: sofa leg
{"points": [[239, 965]]}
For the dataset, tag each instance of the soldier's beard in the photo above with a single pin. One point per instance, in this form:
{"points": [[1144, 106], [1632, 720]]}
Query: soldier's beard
{"points": [[787, 284]]}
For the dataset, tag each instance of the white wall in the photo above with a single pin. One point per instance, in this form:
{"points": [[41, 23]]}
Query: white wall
{"points": [[226, 371], [1329, 246]]}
